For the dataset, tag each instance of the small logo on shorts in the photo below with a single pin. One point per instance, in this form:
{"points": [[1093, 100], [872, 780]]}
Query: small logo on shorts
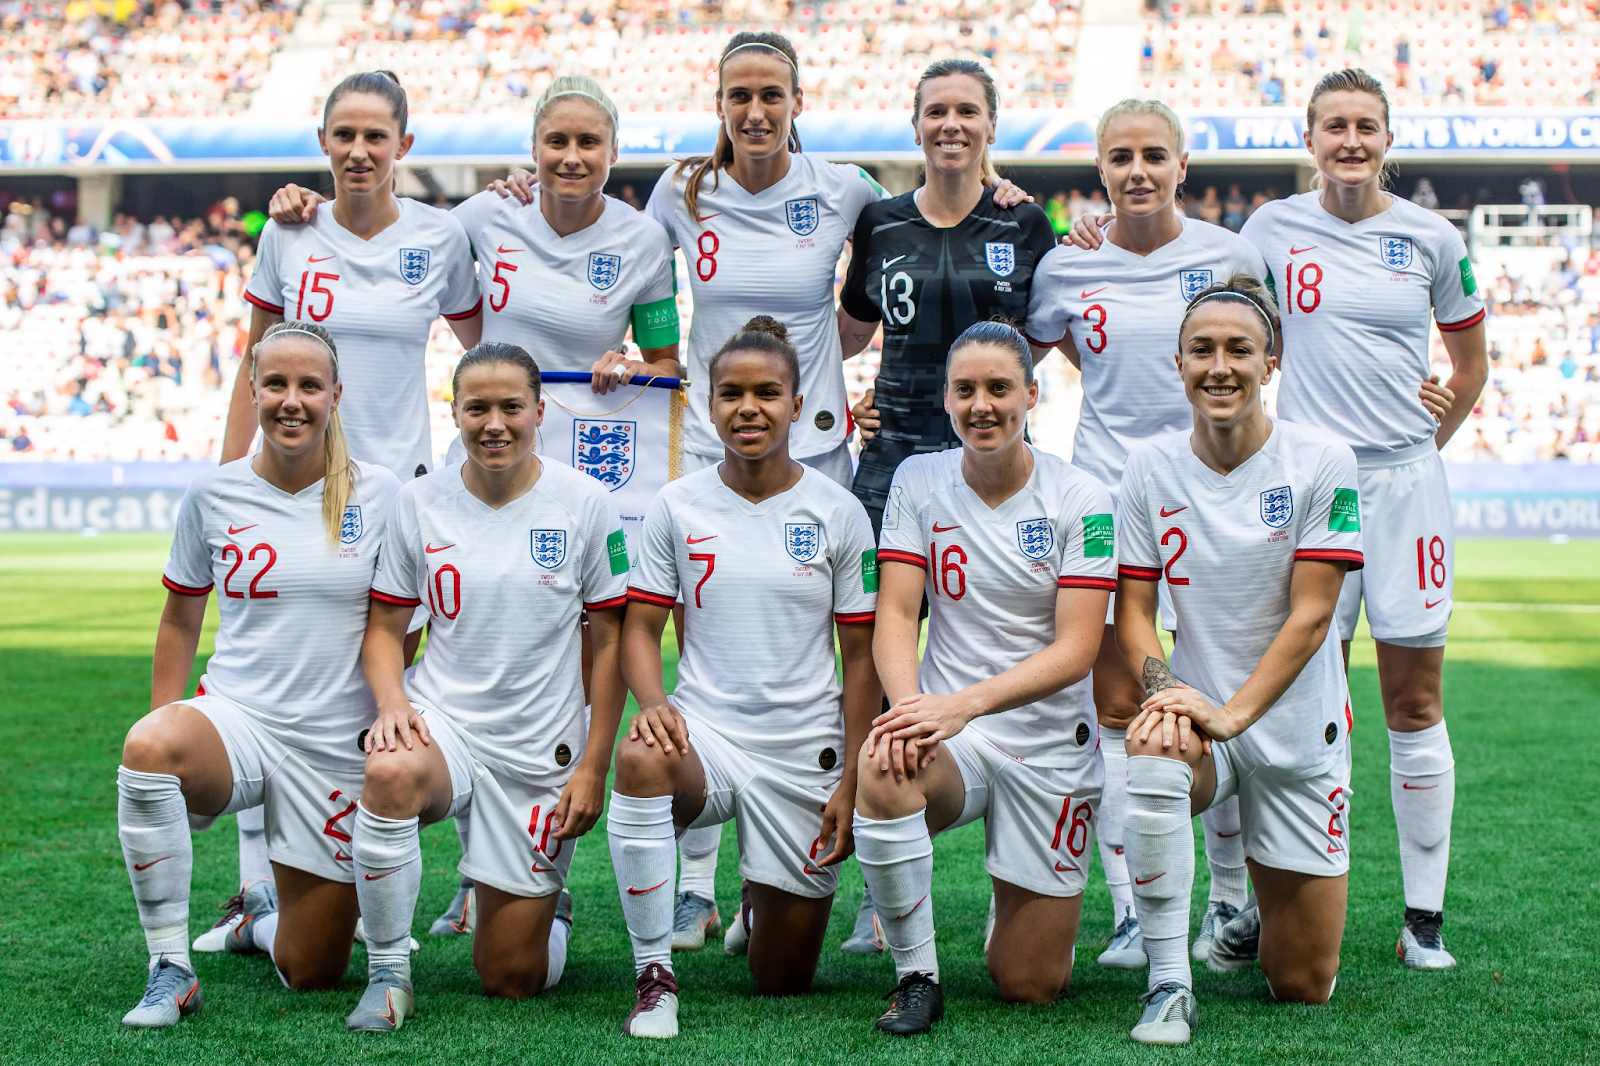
{"points": [[1331, 733], [824, 420], [1083, 733], [563, 755], [827, 759]]}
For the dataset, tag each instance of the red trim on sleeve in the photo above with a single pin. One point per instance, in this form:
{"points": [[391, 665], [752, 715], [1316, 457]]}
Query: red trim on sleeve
{"points": [[1139, 573], [1465, 323], [860, 618], [653, 598], [608, 605], [1044, 344], [185, 590], [397, 601], [276, 309], [1331, 555], [895, 555], [1075, 581], [474, 309]]}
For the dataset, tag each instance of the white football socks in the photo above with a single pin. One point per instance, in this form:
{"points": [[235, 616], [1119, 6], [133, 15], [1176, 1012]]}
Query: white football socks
{"points": [[153, 825], [1225, 853], [697, 852], [1160, 850], [263, 931], [463, 828], [556, 953], [1422, 787], [639, 830], [896, 857], [254, 862], [1108, 822], [388, 864]]}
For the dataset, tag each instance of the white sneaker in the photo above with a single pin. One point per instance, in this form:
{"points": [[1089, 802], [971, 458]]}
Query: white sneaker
{"points": [[215, 939], [1218, 914], [655, 1011], [736, 941], [1125, 951], [361, 936], [1421, 945], [1170, 1016]]}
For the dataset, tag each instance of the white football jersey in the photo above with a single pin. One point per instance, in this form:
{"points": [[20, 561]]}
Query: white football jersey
{"points": [[762, 586], [1356, 303], [504, 590], [991, 586], [1123, 311], [774, 253], [379, 299], [569, 300], [292, 606], [1228, 546]]}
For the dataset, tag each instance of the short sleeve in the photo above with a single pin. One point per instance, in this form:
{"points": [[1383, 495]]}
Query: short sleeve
{"points": [[1247, 257], [460, 298], [655, 581], [1087, 529], [400, 575], [663, 204], [188, 570], [1139, 557], [860, 189], [855, 567], [1047, 314], [1258, 231], [1332, 530], [901, 539], [605, 562], [265, 289], [853, 296], [1457, 304]]}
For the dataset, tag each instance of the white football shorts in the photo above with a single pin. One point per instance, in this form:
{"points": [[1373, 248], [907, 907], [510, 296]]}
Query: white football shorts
{"points": [[310, 810], [1408, 541], [776, 810], [1038, 820], [1288, 823], [512, 845]]}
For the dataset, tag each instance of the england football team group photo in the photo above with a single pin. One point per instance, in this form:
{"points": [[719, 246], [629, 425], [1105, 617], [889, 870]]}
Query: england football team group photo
{"points": [[894, 618]]}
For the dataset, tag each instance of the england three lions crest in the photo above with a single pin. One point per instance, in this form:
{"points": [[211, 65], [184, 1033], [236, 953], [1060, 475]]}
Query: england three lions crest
{"points": [[802, 540], [802, 216], [1193, 282], [1277, 506], [350, 525], [1001, 257], [604, 450], [548, 546], [413, 265], [1395, 251], [1035, 537], [604, 269]]}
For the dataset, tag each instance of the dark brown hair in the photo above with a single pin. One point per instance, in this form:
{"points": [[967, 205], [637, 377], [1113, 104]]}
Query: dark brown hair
{"points": [[761, 334], [382, 83]]}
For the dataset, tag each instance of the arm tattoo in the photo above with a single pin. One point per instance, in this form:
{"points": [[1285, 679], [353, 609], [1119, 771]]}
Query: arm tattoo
{"points": [[1157, 678]]}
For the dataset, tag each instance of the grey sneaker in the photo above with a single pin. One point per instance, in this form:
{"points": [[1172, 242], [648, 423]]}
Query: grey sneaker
{"points": [[1237, 943], [564, 908], [1218, 914], [1125, 949], [257, 900], [694, 921], [171, 991], [385, 1005], [867, 937], [461, 916], [1170, 1015], [1421, 945]]}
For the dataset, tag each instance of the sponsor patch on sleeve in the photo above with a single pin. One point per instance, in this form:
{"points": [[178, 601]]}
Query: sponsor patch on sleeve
{"points": [[655, 325], [617, 549], [1346, 514], [869, 570], [1469, 283], [1098, 539]]}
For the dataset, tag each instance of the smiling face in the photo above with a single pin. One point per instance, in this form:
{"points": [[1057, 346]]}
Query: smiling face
{"points": [[574, 148], [1349, 138], [1223, 359], [295, 393], [1140, 165], [753, 403], [758, 102], [363, 142], [986, 397], [498, 414], [954, 127]]}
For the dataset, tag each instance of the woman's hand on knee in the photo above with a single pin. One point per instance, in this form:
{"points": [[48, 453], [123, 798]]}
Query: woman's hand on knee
{"points": [[394, 727], [661, 726], [1163, 732]]}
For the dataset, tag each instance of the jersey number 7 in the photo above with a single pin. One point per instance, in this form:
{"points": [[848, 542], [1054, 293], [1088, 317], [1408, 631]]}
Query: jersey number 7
{"points": [[710, 560]]}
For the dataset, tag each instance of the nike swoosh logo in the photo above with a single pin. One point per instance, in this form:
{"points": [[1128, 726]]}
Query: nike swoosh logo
{"points": [[1117, 850], [1228, 836], [1296, 251], [699, 540], [503, 250], [164, 858], [1431, 606], [380, 877], [320, 258], [1147, 880], [430, 549], [546, 870], [1085, 294], [340, 856], [644, 891], [706, 218], [189, 995], [1062, 869], [937, 528], [887, 263], [1403, 784], [1168, 514], [913, 909], [808, 868], [241, 529], [1333, 850]]}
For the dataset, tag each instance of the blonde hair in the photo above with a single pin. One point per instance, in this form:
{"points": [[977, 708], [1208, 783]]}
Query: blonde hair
{"points": [[946, 68], [701, 166], [1133, 106], [339, 477], [1352, 80], [576, 85]]}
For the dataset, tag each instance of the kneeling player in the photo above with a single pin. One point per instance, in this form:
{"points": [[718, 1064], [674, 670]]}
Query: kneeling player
{"points": [[998, 723], [769, 556], [292, 536], [505, 550], [1254, 522]]}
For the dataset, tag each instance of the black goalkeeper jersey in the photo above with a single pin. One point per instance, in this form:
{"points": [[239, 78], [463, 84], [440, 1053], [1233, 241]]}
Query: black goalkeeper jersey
{"points": [[926, 285]]}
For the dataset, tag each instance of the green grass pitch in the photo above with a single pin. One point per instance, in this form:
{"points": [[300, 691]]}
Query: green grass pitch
{"points": [[1522, 688]]}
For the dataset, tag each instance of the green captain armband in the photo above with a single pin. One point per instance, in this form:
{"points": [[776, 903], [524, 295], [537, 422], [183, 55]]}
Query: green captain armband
{"points": [[655, 325], [869, 570], [1099, 541], [1469, 282]]}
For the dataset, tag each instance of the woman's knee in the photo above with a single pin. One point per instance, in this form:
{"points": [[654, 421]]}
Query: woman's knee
{"points": [[1306, 982], [642, 766], [156, 744], [878, 793], [313, 974], [513, 979], [1027, 985], [396, 782]]}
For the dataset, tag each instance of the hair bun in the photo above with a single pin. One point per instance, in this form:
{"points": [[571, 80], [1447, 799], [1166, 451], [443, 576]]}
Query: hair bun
{"points": [[767, 324], [391, 75]]}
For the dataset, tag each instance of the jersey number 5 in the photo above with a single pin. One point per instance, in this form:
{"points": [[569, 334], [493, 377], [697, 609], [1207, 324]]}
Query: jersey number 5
{"points": [[505, 286]]}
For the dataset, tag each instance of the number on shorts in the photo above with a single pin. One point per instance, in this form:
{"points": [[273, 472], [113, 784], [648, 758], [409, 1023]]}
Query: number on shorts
{"points": [[544, 834], [1336, 796], [1432, 567], [1077, 827], [331, 828], [436, 595]]}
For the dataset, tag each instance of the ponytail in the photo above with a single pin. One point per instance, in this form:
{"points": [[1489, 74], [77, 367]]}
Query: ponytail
{"points": [[339, 473]]}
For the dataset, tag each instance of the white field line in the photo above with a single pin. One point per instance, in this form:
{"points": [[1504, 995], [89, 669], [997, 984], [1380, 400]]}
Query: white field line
{"points": [[1563, 608]]}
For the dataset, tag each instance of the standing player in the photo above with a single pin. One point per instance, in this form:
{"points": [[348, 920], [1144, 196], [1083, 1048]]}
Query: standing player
{"points": [[1358, 275], [290, 539], [1015, 550], [491, 719], [1253, 522], [766, 553], [1115, 310]]}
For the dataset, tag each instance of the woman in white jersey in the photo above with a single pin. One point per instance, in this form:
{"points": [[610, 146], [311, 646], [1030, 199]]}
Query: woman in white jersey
{"points": [[1359, 275], [1014, 551], [1253, 522], [290, 539], [1113, 312], [491, 720], [764, 552]]}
